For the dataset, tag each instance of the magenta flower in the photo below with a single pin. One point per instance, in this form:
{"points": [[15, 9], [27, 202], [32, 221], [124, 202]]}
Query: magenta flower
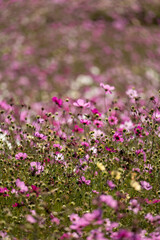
{"points": [[85, 121], [21, 156], [145, 185], [117, 137], [107, 88], [138, 131], [58, 101], [58, 146], [81, 103], [40, 135], [95, 111], [77, 129], [85, 144]]}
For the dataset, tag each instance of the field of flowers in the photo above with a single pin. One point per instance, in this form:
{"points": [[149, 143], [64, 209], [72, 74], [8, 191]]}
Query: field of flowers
{"points": [[80, 120]]}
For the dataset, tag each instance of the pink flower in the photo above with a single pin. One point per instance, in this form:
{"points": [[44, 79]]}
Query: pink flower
{"points": [[40, 135], [85, 144], [59, 101], [57, 146], [83, 180], [37, 166], [117, 137], [132, 93], [94, 191], [138, 131], [85, 121], [80, 103], [134, 206], [31, 219], [108, 199], [95, 111], [96, 234], [111, 184], [146, 185], [113, 120], [21, 185], [54, 220], [107, 88], [98, 123], [21, 156], [77, 129]]}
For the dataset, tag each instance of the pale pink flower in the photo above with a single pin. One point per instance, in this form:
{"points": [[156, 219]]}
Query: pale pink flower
{"points": [[107, 88], [36, 166], [109, 200], [21, 185], [132, 93], [21, 156], [31, 219], [81, 103]]}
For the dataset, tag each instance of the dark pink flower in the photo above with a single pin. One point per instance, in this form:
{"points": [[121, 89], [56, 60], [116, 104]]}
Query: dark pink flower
{"points": [[85, 121], [59, 101], [95, 111], [117, 137], [77, 129]]}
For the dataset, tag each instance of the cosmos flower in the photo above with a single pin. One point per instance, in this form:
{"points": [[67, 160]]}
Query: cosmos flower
{"points": [[21, 156], [107, 88], [58, 101], [81, 103], [145, 185]]}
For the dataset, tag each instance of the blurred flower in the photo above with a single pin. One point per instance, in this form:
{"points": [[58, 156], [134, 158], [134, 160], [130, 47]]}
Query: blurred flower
{"points": [[21, 185], [21, 156], [107, 88], [117, 137], [113, 120], [109, 200], [100, 166], [134, 206], [81, 103], [59, 101], [31, 219], [36, 166], [132, 93], [146, 185]]}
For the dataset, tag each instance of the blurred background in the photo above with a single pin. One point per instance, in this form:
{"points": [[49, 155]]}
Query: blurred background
{"points": [[66, 48]]}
